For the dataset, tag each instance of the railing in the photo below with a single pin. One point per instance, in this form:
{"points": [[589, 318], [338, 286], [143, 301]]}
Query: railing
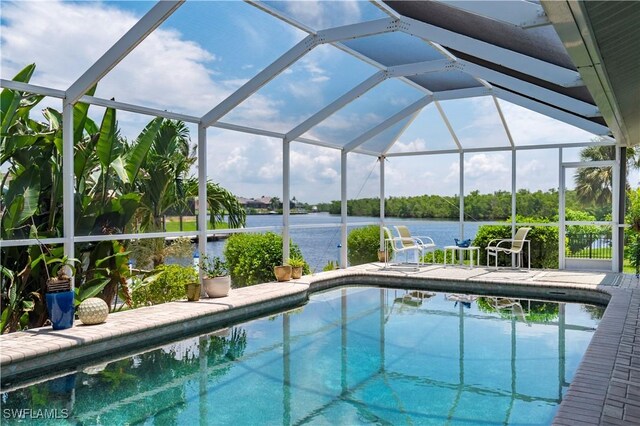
{"points": [[590, 245]]}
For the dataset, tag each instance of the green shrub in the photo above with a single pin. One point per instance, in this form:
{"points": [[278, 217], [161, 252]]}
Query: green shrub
{"points": [[251, 257], [330, 266], [544, 244], [363, 244], [163, 284], [436, 256]]}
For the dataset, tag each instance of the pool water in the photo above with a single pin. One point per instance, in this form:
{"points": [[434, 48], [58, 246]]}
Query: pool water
{"points": [[355, 355]]}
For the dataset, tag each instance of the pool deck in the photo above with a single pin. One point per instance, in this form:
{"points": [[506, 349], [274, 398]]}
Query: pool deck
{"points": [[604, 390]]}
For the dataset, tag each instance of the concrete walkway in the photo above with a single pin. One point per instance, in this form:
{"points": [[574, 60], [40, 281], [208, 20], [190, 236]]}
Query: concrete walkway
{"points": [[605, 389]]}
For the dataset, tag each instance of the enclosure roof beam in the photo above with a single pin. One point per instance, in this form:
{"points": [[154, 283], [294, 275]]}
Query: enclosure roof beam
{"points": [[522, 14], [552, 112], [32, 88], [421, 103], [517, 61], [334, 106], [359, 30], [283, 17], [145, 26], [545, 95], [293, 22], [330, 35], [417, 68], [503, 121], [502, 148], [447, 123], [470, 92], [397, 136], [92, 100], [362, 88]]}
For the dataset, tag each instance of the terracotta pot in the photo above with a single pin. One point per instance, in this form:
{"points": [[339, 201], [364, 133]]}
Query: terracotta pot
{"points": [[193, 291], [283, 273], [217, 286], [296, 272]]}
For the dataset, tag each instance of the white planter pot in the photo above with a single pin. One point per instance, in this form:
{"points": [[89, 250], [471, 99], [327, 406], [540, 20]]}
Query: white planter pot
{"points": [[217, 287]]}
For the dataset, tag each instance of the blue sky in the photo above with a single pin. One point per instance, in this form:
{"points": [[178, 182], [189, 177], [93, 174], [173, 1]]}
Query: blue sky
{"points": [[207, 49]]}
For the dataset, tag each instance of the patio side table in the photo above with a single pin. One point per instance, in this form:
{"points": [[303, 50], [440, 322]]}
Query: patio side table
{"points": [[461, 250]]}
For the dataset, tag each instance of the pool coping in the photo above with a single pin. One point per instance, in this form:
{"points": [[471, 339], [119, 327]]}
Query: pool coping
{"points": [[604, 390]]}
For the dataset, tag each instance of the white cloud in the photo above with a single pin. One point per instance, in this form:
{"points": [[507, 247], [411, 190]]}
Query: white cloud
{"points": [[528, 127], [324, 14], [64, 39], [418, 144], [483, 165], [486, 173]]}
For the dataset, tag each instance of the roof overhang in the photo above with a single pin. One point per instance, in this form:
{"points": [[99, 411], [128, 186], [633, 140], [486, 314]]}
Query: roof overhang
{"points": [[602, 38]]}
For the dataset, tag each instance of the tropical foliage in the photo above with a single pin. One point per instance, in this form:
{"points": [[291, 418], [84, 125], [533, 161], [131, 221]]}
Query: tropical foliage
{"points": [[594, 184], [251, 257], [363, 244], [163, 284], [633, 217], [120, 186]]}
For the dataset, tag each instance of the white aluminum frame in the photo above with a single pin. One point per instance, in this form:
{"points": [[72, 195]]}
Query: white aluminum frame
{"points": [[112, 57], [536, 98], [615, 199]]}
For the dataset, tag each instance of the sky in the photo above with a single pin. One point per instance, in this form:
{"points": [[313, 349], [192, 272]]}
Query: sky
{"points": [[207, 49]]}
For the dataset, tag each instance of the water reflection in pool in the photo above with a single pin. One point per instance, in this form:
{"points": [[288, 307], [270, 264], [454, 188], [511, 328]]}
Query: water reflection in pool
{"points": [[350, 356]]}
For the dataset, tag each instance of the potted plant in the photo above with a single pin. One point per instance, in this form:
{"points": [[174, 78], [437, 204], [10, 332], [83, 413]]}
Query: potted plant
{"points": [[59, 296], [296, 264], [282, 272], [193, 291], [216, 281]]}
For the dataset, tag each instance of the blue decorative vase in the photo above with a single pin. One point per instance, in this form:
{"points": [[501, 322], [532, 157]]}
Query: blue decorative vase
{"points": [[60, 307], [463, 243]]}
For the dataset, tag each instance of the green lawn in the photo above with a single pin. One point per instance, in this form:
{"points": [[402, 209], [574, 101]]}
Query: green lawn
{"points": [[596, 253], [605, 253]]}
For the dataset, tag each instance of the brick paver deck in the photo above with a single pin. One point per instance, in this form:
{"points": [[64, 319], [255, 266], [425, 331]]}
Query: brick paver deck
{"points": [[604, 390]]}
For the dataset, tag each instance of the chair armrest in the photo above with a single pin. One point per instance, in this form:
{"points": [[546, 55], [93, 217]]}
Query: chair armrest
{"points": [[424, 238], [493, 241], [508, 240]]}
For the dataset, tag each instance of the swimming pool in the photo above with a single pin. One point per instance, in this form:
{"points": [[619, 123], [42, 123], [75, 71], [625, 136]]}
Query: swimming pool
{"points": [[350, 356]]}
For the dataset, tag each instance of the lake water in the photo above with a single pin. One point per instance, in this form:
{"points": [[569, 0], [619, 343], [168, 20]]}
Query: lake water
{"points": [[320, 244]]}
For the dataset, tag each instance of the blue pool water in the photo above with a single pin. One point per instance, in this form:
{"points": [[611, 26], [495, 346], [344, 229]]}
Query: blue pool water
{"points": [[351, 356]]}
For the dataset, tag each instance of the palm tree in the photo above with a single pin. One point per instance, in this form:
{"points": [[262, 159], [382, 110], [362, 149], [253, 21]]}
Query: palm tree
{"points": [[166, 185], [594, 184], [221, 204], [163, 173]]}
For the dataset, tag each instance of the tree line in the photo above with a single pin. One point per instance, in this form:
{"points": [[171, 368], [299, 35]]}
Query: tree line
{"points": [[477, 206]]}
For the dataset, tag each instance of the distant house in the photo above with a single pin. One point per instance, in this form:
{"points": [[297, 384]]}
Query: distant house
{"points": [[255, 203]]}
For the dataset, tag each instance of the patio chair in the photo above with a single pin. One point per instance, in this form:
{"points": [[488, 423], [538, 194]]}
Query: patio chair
{"points": [[513, 245], [399, 246], [425, 243], [511, 305]]}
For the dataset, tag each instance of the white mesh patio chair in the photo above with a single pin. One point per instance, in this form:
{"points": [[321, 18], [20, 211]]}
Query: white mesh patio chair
{"points": [[425, 243], [396, 245], [513, 245]]}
